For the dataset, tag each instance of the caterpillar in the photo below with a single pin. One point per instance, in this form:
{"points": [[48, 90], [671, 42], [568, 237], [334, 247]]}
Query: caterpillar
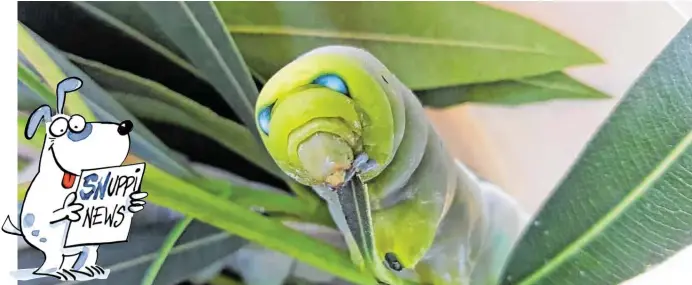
{"points": [[336, 119]]}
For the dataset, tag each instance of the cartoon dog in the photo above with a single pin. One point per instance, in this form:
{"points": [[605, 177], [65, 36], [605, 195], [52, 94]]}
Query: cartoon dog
{"points": [[71, 145]]}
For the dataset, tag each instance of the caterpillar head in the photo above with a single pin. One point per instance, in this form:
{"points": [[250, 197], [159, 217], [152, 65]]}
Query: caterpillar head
{"points": [[320, 111]]}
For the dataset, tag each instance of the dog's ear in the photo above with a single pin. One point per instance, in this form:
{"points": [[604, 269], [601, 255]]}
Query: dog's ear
{"points": [[65, 86], [40, 114]]}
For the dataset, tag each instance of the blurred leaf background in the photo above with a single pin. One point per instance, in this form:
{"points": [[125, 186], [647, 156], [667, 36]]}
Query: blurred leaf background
{"points": [[187, 75]]}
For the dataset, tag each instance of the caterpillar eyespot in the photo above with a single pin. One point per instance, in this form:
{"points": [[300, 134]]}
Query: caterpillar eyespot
{"points": [[333, 82], [263, 119]]}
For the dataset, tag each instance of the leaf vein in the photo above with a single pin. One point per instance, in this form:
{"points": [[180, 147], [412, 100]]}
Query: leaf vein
{"points": [[576, 246], [377, 37]]}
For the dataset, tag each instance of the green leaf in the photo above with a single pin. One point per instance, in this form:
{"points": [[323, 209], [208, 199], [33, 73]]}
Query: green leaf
{"points": [[121, 15], [133, 21], [166, 248], [94, 103], [30, 47], [426, 44], [556, 85], [28, 99], [198, 32], [198, 204], [151, 100], [626, 204], [34, 84], [31, 88], [266, 201]]}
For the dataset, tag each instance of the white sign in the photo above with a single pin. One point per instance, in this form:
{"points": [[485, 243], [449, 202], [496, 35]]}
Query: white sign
{"points": [[105, 194]]}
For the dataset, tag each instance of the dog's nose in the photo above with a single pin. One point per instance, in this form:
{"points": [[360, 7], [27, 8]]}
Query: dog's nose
{"points": [[125, 127]]}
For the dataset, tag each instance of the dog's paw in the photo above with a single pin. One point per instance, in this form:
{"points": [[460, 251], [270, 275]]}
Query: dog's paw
{"points": [[62, 274], [137, 201], [68, 275], [70, 208], [72, 211], [93, 270], [139, 195]]}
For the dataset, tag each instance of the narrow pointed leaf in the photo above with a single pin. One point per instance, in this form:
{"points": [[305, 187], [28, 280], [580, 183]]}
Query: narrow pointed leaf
{"points": [[131, 14], [551, 86], [166, 247], [28, 99], [199, 33], [143, 31], [33, 82], [626, 204], [426, 44], [39, 59]]}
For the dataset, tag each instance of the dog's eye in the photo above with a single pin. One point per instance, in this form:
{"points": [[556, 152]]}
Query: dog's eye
{"points": [[333, 82], [58, 127], [77, 123]]}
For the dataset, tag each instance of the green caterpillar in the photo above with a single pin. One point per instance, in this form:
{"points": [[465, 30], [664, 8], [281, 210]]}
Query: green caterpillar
{"points": [[337, 120]]}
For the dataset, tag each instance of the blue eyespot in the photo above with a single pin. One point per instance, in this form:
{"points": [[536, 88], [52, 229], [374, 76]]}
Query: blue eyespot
{"points": [[263, 119], [333, 82]]}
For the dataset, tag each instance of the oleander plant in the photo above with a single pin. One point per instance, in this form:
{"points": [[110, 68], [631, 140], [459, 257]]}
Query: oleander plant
{"points": [[187, 74]]}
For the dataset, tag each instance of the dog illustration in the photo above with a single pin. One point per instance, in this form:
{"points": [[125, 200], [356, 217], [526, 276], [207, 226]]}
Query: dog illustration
{"points": [[70, 146]]}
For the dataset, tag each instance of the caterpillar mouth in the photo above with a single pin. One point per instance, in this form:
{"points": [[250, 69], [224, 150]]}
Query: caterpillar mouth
{"points": [[360, 164], [326, 157]]}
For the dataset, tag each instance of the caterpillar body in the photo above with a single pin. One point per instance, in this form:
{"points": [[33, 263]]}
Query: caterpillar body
{"points": [[411, 213]]}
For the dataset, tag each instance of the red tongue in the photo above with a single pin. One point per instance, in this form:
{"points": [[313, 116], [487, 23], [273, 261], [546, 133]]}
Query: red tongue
{"points": [[68, 180]]}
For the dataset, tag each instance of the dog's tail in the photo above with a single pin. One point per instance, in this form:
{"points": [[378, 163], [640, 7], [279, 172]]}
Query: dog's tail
{"points": [[9, 228]]}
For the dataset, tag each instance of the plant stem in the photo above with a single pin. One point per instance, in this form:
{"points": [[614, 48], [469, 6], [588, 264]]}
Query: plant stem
{"points": [[168, 244]]}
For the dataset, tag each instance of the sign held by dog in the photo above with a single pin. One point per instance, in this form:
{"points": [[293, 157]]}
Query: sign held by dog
{"points": [[105, 194]]}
